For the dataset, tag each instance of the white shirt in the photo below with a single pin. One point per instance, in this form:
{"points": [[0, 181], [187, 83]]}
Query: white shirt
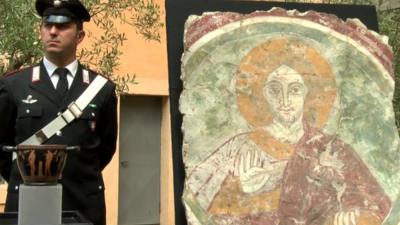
{"points": [[51, 67]]}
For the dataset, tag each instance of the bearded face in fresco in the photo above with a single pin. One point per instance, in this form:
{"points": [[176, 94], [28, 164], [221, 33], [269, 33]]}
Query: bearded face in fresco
{"points": [[285, 92]]}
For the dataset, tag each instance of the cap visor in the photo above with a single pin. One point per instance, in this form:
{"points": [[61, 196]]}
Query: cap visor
{"points": [[57, 19]]}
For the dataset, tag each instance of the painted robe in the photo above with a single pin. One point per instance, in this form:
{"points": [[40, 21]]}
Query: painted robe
{"points": [[317, 181]]}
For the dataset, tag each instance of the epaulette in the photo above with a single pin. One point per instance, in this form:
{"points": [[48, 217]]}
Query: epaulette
{"points": [[16, 71], [93, 71], [85, 75], [97, 73]]}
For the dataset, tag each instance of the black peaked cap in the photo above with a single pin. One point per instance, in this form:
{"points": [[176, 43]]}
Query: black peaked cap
{"points": [[72, 9]]}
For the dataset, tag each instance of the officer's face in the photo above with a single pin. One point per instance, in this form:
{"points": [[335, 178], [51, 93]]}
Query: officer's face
{"points": [[61, 39]]}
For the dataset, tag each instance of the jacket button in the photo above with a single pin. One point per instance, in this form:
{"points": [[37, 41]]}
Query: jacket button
{"points": [[100, 187], [59, 133], [16, 187], [28, 111]]}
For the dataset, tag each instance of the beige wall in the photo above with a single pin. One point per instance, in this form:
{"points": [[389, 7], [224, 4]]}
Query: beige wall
{"points": [[3, 193], [148, 60]]}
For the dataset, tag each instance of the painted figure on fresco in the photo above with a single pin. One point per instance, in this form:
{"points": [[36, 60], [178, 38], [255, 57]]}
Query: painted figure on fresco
{"points": [[285, 169]]}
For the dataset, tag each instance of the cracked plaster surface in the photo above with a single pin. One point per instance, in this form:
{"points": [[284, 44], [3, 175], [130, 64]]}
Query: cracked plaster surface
{"points": [[250, 160]]}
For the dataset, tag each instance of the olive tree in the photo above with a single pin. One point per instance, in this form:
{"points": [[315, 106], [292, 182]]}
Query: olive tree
{"points": [[19, 34]]}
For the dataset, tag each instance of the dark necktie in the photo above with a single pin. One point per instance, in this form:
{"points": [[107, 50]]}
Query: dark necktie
{"points": [[62, 85]]}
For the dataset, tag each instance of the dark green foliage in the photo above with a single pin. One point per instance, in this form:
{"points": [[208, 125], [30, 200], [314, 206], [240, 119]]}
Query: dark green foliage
{"points": [[389, 22]]}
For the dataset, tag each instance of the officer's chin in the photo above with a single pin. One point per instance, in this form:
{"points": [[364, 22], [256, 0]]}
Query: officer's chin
{"points": [[54, 52], [53, 48]]}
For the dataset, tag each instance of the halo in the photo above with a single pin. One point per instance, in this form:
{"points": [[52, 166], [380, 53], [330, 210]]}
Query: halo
{"points": [[258, 64]]}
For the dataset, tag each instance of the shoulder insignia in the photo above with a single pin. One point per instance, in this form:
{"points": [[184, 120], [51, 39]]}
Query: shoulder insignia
{"points": [[85, 76], [90, 73], [96, 73], [16, 71], [35, 74]]}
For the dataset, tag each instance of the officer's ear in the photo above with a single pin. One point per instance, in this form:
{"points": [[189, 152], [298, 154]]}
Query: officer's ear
{"points": [[80, 35]]}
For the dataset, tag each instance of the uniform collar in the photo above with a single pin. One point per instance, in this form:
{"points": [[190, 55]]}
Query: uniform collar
{"points": [[51, 67]]}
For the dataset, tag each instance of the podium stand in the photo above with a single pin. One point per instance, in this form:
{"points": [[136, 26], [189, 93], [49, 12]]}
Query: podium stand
{"points": [[40, 204], [40, 197]]}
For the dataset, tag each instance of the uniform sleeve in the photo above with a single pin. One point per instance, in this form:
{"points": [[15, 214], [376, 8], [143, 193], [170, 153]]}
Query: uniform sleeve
{"points": [[108, 127], [7, 119]]}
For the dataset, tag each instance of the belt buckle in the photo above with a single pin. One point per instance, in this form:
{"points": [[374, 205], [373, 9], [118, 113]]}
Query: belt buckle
{"points": [[75, 110]]}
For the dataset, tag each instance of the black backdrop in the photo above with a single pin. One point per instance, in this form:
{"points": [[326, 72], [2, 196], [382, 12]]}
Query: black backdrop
{"points": [[177, 12]]}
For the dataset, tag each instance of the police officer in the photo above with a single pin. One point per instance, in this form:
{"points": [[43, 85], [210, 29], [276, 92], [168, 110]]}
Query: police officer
{"points": [[32, 97]]}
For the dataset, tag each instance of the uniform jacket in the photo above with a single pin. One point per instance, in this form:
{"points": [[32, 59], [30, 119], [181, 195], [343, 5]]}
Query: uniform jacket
{"points": [[95, 132]]}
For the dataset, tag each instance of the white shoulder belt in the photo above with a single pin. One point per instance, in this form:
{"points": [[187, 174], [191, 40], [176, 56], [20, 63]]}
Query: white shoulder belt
{"points": [[73, 111]]}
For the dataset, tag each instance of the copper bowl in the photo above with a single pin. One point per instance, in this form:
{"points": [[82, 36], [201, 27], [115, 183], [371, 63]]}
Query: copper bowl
{"points": [[40, 164]]}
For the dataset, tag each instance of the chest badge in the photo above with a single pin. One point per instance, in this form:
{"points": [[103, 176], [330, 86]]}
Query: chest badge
{"points": [[29, 100]]}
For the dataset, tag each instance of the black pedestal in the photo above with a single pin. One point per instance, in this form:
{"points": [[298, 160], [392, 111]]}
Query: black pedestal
{"points": [[68, 218]]}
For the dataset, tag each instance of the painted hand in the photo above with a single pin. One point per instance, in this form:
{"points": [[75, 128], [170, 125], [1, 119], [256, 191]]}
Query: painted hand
{"points": [[252, 174], [346, 218]]}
